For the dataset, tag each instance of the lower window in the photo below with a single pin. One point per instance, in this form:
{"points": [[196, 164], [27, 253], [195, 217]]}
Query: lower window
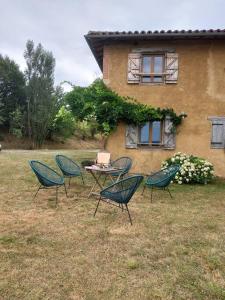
{"points": [[150, 134]]}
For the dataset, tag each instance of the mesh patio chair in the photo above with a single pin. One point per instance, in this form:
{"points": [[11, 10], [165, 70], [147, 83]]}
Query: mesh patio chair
{"points": [[120, 193], [161, 179], [123, 164], [47, 177], [68, 167]]}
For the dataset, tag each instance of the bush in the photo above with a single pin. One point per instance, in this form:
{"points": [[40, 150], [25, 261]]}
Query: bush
{"points": [[84, 130], [193, 169], [17, 123], [64, 123]]}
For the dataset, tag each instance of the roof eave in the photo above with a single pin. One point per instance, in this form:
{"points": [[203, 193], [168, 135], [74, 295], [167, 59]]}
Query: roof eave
{"points": [[97, 58], [98, 39]]}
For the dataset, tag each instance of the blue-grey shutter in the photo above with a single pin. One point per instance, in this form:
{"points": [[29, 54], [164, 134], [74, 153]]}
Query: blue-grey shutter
{"points": [[218, 134], [169, 138], [131, 138]]}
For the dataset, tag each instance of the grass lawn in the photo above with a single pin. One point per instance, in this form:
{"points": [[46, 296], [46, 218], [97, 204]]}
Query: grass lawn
{"points": [[174, 250]]}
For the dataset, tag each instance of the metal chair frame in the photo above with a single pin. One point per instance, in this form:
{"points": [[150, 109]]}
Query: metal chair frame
{"points": [[47, 188], [163, 183], [120, 173], [66, 172], [43, 185], [123, 205]]}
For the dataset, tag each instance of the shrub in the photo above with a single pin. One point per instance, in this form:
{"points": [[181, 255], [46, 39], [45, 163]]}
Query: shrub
{"points": [[64, 123], [85, 129], [193, 169], [17, 123]]}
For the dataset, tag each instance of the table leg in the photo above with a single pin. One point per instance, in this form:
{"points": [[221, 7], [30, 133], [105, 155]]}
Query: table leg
{"points": [[96, 178]]}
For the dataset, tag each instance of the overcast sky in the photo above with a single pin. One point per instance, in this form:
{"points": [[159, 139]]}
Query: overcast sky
{"points": [[60, 25]]}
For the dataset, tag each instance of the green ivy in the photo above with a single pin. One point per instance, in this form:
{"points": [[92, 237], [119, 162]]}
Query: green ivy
{"points": [[109, 108]]}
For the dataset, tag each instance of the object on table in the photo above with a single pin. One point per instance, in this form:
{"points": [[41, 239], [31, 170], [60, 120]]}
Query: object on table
{"points": [[87, 162], [103, 159]]}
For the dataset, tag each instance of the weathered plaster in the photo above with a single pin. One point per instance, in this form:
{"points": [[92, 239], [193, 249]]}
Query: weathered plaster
{"points": [[200, 92], [216, 74]]}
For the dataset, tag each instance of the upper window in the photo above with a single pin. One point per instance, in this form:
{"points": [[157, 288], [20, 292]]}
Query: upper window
{"points": [[152, 68], [150, 134]]}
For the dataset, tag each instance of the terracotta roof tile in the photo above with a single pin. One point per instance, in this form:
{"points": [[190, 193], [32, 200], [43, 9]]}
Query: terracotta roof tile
{"points": [[136, 32]]}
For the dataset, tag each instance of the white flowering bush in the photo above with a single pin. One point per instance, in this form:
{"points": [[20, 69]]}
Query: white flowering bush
{"points": [[192, 169]]}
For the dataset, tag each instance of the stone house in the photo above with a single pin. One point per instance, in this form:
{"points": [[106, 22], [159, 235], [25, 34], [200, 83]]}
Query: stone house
{"points": [[183, 70]]}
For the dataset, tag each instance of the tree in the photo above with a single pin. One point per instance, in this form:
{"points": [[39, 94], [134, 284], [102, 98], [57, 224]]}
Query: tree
{"points": [[78, 100], [41, 99], [12, 89], [17, 123], [64, 123]]}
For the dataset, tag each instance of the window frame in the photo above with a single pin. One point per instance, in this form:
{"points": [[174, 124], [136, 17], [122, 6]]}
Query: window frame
{"points": [[152, 75], [150, 144]]}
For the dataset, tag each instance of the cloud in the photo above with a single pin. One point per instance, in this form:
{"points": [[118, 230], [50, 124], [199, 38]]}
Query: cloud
{"points": [[60, 26]]}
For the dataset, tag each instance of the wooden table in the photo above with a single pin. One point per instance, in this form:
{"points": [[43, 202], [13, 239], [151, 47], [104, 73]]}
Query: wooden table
{"points": [[97, 172]]}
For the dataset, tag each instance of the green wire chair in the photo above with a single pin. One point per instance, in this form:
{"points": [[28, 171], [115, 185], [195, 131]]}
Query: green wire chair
{"points": [[161, 179], [120, 193], [123, 164], [68, 167], [47, 177]]}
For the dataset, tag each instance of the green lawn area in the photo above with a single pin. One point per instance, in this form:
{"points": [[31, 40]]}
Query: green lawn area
{"points": [[174, 250]]}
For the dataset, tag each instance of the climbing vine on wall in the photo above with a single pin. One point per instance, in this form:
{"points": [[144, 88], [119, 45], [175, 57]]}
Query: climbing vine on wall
{"points": [[109, 108]]}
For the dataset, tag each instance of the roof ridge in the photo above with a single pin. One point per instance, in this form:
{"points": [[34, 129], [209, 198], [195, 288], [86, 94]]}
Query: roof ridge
{"points": [[162, 31]]}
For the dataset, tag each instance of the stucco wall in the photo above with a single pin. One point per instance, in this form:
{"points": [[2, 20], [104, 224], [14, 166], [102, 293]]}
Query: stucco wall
{"points": [[200, 92]]}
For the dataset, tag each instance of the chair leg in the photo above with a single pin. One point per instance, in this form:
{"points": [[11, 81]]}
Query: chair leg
{"points": [[129, 214], [69, 182], [97, 206], [151, 193], [56, 196], [169, 193], [65, 190], [121, 206], [36, 192], [82, 178], [143, 190], [104, 180]]}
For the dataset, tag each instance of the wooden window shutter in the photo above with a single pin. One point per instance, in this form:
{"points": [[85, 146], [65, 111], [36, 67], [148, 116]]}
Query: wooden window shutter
{"points": [[134, 64], [131, 139], [169, 138], [171, 68], [218, 134]]}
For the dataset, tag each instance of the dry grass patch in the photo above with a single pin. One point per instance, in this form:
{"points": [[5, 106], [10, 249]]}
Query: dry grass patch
{"points": [[174, 250]]}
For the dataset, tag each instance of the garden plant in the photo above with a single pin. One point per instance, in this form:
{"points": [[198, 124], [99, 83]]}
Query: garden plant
{"points": [[193, 169]]}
